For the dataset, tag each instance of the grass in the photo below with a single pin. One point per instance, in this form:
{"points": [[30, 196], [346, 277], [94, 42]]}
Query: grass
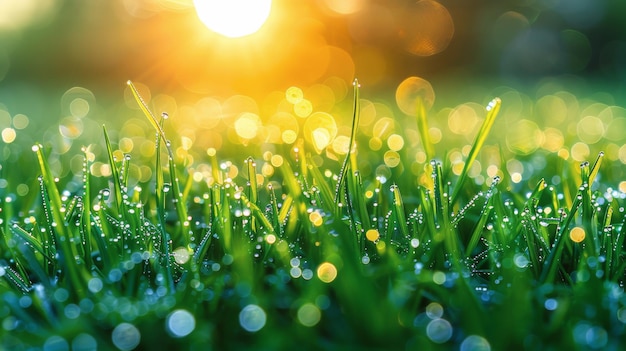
{"points": [[313, 260]]}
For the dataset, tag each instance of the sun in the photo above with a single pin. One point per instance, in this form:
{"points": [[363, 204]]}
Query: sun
{"points": [[233, 18]]}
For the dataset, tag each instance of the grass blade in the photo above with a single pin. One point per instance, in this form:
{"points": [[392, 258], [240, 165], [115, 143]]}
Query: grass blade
{"points": [[422, 127], [492, 111]]}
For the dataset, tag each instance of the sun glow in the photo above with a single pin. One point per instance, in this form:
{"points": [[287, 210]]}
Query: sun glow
{"points": [[233, 18]]}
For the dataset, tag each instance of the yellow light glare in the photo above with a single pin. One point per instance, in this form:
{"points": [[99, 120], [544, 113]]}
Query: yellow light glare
{"points": [[577, 234], [316, 218], [327, 272], [372, 235], [233, 18], [8, 135]]}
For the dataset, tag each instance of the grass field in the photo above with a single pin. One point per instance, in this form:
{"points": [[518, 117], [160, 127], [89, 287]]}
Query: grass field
{"points": [[330, 239]]}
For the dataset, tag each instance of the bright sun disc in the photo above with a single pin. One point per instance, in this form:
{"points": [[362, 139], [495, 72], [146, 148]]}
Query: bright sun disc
{"points": [[233, 18]]}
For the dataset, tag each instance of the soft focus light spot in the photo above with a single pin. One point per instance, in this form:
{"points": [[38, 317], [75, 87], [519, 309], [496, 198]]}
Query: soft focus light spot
{"points": [[590, 129], [462, 120], [18, 14], [126, 336], [303, 108], [395, 142], [516, 177], [270, 238], [577, 234], [580, 152], [316, 218], [180, 323], [309, 315], [181, 255], [20, 121], [375, 144], [614, 131], [439, 330], [294, 95], [320, 129], [252, 318], [327, 272], [426, 28], [233, 18], [372, 235], [84, 342], [289, 136], [277, 160], [475, 343], [434, 310], [79, 107], [247, 125], [410, 91], [552, 109], [321, 138], [439, 277], [622, 186], [392, 159], [8, 135], [524, 137], [56, 343], [554, 140], [435, 135], [71, 127], [341, 145]]}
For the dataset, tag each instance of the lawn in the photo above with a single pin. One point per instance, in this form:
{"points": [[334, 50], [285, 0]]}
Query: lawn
{"points": [[347, 230]]}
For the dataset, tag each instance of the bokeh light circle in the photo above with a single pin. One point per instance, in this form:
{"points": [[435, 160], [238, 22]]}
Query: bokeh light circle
{"points": [[426, 28], [252, 318], [410, 91], [126, 336], [180, 323]]}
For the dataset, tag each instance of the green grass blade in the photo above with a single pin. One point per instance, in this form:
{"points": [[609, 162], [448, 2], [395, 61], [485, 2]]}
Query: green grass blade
{"points": [[551, 263], [117, 186], [58, 226], [492, 111], [350, 156], [422, 127], [151, 118]]}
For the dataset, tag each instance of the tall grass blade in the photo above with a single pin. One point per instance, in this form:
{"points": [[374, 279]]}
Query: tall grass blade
{"points": [[492, 111], [422, 127], [151, 118], [114, 172], [350, 156], [58, 226]]}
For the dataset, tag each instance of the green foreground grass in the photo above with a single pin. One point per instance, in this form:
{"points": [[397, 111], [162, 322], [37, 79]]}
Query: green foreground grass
{"points": [[313, 260]]}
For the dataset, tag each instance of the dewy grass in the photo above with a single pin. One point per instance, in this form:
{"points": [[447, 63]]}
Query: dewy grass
{"points": [[312, 260]]}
